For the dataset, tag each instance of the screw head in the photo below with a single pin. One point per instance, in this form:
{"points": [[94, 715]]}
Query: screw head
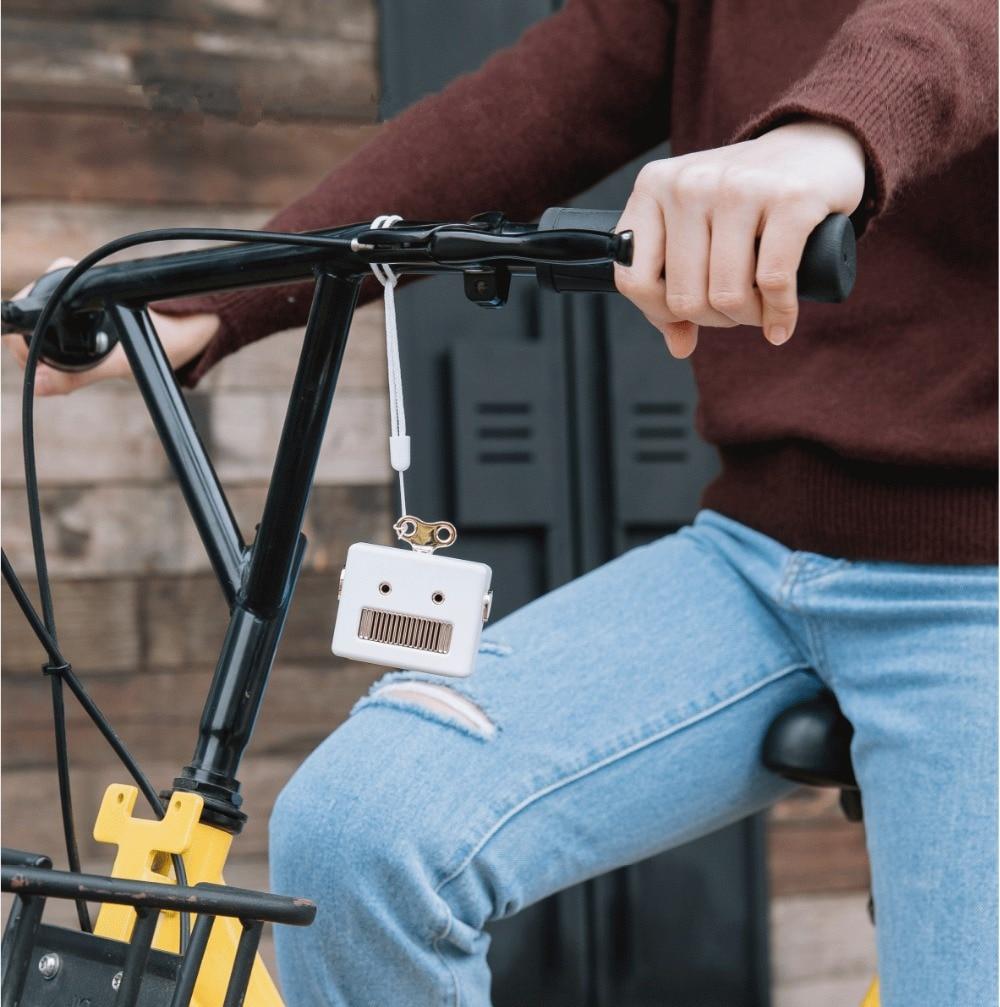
{"points": [[116, 980], [101, 342], [49, 965]]}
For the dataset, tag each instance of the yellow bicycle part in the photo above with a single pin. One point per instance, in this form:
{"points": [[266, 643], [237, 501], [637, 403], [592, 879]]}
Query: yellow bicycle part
{"points": [[144, 848], [871, 997]]}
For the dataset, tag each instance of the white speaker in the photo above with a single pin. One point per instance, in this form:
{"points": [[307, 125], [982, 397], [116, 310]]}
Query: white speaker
{"points": [[412, 610]]}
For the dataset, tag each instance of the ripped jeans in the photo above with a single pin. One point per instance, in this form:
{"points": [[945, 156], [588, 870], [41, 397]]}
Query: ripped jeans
{"points": [[622, 715]]}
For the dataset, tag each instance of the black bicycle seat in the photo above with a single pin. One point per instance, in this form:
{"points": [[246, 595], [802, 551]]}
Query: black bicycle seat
{"points": [[810, 743]]}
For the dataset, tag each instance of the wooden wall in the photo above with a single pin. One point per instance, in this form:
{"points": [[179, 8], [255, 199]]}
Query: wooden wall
{"points": [[121, 115], [126, 114]]}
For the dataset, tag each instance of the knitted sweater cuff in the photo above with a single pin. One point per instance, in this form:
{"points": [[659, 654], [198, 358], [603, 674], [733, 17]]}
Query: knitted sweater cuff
{"points": [[865, 90]]}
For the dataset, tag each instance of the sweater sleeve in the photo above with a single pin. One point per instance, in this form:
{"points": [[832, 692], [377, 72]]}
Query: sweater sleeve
{"points": [[580, 94], [914, 80]]}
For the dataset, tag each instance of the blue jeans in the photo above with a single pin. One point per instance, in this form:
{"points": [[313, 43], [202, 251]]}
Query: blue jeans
{"points": [[622, 715]]}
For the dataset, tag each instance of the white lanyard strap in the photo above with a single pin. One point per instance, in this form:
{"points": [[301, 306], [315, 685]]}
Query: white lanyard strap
{"points": [[399, 442]]}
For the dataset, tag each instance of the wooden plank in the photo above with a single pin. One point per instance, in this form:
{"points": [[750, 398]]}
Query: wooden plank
{"points": [[246, 426], [823, 856], [98, 434], [122, 623], [821, 938], [270, 363], [106, 531], [96, 622], [35, 233], [140, 156], [103, 434], [26, 791], [157, 712], [346, 19], [243, 75], [835, 992], [813, 848], [195, 604], [115, 531]]}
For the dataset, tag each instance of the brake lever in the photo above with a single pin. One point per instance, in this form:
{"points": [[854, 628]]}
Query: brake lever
{"points": [[455, 248], [73, 342]]}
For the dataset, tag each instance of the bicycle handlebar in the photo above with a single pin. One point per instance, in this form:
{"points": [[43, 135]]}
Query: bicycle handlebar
{"points": [[568, 250]]}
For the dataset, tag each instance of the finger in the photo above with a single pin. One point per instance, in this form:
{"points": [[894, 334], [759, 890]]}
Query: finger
{"points": [[17, 346], [55, 264], [781, 243], [682, 338], [686, 264], [733, 262], [642, 282], [50, 381]]}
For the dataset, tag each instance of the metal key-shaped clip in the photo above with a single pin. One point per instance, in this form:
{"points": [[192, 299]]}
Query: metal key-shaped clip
{"points": [[425, 536]]}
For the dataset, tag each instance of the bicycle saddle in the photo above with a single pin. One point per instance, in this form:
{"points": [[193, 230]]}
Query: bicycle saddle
{"points": [[810, 743]]}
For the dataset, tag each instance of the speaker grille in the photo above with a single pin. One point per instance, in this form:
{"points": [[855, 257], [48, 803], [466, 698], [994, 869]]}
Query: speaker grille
{"points": [[400, 630]]}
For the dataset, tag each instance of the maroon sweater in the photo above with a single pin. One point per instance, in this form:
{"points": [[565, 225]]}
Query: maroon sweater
{"points": [[872, 434]]}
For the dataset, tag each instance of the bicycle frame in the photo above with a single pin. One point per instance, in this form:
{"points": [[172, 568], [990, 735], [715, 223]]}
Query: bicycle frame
{"points": [[257, 579]]}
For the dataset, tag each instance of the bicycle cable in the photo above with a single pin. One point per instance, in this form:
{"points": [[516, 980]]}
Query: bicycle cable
{"points": [[45, 628]]}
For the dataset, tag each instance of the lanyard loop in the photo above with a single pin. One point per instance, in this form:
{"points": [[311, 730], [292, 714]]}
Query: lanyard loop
{"points": [[399, 442]]}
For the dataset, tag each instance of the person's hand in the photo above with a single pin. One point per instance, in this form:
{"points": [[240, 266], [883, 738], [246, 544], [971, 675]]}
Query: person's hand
{"points": [[697, 219], [183, 338]]}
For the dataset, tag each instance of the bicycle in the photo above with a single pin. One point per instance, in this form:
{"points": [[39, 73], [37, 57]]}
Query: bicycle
{"points": [[171, 869]]}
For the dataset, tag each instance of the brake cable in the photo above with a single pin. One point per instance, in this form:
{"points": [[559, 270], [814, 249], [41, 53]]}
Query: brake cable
{"points": [[45, 627]]}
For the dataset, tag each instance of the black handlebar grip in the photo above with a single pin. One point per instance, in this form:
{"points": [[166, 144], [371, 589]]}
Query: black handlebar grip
{"points": [[827, 271]]}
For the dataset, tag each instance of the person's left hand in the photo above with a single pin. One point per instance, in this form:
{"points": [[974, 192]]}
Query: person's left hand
{"points": [[697, 219], [183, 338]]}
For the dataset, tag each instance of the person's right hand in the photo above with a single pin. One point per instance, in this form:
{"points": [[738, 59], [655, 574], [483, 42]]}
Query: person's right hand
{"points": [[183, 338]]}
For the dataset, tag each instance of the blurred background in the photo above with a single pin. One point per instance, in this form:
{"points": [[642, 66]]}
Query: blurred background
{"points": [[119, 115]]}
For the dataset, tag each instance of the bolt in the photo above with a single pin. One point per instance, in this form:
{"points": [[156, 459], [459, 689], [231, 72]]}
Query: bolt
{"points": [[49, 965], [101, 342], [116, 980]]}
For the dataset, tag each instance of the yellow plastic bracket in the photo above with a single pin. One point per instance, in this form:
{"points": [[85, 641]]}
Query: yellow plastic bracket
{"points": [[871, 997], [144, 848]]}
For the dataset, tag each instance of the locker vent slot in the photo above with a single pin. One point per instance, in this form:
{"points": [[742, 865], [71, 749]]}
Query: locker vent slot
{"points": [[503, 408], [507, 440], [401, 630], [658, 408], [649, 434]]}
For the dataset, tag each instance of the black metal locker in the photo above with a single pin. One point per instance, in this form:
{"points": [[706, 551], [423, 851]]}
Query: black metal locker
{"points": [[557, 433]]}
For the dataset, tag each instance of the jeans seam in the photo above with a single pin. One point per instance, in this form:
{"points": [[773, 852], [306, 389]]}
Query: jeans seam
{"points": [[608, 760], [796, 576], [436, 944]]}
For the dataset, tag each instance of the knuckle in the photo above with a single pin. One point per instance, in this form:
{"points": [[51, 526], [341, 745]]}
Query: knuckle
{"points": [[628, 283], [650, 176], [685, 305], [695, 181], [727, 300], [738, 184], [775, 280], [794, 191]]}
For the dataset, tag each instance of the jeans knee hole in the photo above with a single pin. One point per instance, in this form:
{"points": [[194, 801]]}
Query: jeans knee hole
{"points": [[441, 701]]}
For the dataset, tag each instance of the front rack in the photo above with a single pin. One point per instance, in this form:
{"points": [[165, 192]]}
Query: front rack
{"points": [[46, 966]]}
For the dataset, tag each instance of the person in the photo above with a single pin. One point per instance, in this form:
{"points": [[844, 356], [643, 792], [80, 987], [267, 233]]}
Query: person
{"points": [[848, 543]]}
